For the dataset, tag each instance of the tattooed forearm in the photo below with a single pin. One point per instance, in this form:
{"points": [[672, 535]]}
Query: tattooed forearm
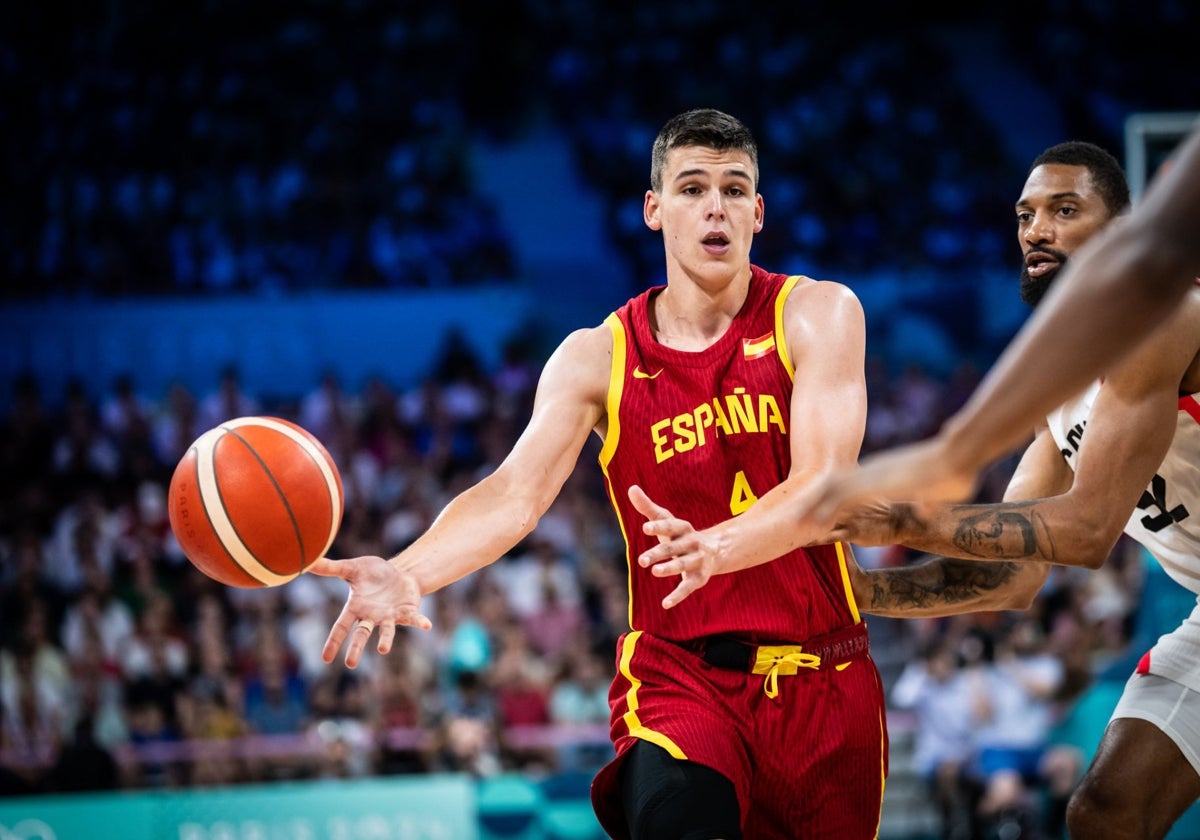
{"points": [[940, 582], [1005, 531]]}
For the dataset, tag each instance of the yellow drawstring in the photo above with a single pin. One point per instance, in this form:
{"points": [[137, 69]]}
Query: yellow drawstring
{"points": [[773, 660]]}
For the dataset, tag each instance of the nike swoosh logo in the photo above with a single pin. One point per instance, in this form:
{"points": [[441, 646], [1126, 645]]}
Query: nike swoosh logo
{"points": [[638, 373]]}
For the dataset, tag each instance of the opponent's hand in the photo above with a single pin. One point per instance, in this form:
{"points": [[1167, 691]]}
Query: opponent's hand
{"points": [[681, 549], [914, 472], [381, 595], [873, 523]]}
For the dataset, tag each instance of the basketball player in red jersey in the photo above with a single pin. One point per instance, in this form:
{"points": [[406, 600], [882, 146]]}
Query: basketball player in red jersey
{"points": [[736, 714]]}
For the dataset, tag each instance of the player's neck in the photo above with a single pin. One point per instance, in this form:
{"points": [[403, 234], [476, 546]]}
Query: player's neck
{"points": [[693, 316]]}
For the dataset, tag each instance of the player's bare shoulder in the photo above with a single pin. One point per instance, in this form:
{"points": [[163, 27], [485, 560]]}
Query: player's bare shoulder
{"points": [[581, 365], [820, 308], [823, 298]]}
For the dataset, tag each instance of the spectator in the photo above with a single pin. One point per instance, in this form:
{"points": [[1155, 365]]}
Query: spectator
{"points": [[937, 694], [228, 401], [84, 764]]}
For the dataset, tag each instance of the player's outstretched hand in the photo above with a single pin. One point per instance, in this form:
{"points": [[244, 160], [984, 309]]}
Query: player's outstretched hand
{"points": [[381, 595], [681, 549]]}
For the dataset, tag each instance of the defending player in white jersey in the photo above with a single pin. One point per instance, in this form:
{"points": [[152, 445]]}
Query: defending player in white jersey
{"points": [[1122, 456]]}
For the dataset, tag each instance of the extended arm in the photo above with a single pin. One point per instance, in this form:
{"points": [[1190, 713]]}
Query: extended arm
{"points": [[942, 585], [1127, 436], [483, 522]]}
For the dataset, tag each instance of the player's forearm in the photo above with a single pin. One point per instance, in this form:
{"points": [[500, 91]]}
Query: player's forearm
{"points": [[476, 528], [1039, 531], [942, 586], [767, 530], [1007, 531]]}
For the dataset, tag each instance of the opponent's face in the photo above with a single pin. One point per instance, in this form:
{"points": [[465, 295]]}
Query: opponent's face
{"points": [[1058, 211], [707, 211]]}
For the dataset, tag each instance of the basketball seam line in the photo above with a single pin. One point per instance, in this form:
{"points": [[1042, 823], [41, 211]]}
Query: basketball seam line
{"points": [[283, 498]]}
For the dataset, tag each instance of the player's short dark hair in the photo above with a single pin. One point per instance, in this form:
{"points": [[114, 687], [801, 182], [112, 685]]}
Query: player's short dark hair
{"points": [[1107, 175], [705, 127]]}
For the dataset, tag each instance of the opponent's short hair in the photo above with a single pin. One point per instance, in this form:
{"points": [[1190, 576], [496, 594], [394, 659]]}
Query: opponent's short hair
{"points": [[1106, 172], [705, 127]]}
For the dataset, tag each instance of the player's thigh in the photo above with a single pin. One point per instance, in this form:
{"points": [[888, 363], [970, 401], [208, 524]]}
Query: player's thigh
{"points": [[1147, 766], [1138, 778]]}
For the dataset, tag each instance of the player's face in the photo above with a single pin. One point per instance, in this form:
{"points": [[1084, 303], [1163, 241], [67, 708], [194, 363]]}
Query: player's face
{"points": [[708, 211], [1058, 211]]}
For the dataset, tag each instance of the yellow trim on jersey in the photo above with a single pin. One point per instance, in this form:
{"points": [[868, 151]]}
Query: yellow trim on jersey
{"points": [[632, 722], [781, 345], [882, 768], [616, 385], [616, 388], [841, 555]]}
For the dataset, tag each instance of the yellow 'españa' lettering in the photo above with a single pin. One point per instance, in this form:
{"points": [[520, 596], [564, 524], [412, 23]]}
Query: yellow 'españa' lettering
{"points": [[740, 411], [704, 420], [769, 414], [660, 441], [685, 438], [733, 414]]}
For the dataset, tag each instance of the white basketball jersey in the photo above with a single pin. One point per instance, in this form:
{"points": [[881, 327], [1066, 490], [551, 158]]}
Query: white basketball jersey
{"points": [[1166, 521], [1167, 518]]}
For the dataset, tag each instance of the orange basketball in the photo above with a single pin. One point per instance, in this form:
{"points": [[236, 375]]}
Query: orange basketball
{"points": [[255, 501]]}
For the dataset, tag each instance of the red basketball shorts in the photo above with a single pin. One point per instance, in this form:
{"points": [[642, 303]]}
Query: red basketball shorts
{"points": [[808, 762]]}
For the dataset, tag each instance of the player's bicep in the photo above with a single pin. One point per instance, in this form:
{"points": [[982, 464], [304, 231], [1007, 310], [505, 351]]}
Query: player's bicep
{"points": [[568, 405], [1133, 421], [1126, 439], [826, 335], [1042, 471]]}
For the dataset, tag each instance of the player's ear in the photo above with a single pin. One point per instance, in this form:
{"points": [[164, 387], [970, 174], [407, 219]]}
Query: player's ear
{"points": [[650, 211], [759, 211]]}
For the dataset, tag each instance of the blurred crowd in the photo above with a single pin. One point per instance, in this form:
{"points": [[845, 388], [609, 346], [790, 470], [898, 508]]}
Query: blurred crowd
{"points": [[114, 645], [122, 666], [211, 147]]}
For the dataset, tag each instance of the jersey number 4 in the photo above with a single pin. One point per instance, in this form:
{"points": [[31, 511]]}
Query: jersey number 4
{"points": [[742, 497]]}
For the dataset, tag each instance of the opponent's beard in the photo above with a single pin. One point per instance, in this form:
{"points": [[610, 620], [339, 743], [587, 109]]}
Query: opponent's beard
{"points": [[1033, 289]]}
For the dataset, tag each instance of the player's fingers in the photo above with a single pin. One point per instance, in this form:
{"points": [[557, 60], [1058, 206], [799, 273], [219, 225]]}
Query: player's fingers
{"points": [[328, 568], [387, 635], [337, 634], [411, 617], [664, 551], [669, 568], [644, 505], [358, 642], [665, 529], [685, 588]]}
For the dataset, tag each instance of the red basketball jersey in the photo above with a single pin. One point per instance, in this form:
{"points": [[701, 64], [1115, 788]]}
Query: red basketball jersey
{"points": [[705, 434]]}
